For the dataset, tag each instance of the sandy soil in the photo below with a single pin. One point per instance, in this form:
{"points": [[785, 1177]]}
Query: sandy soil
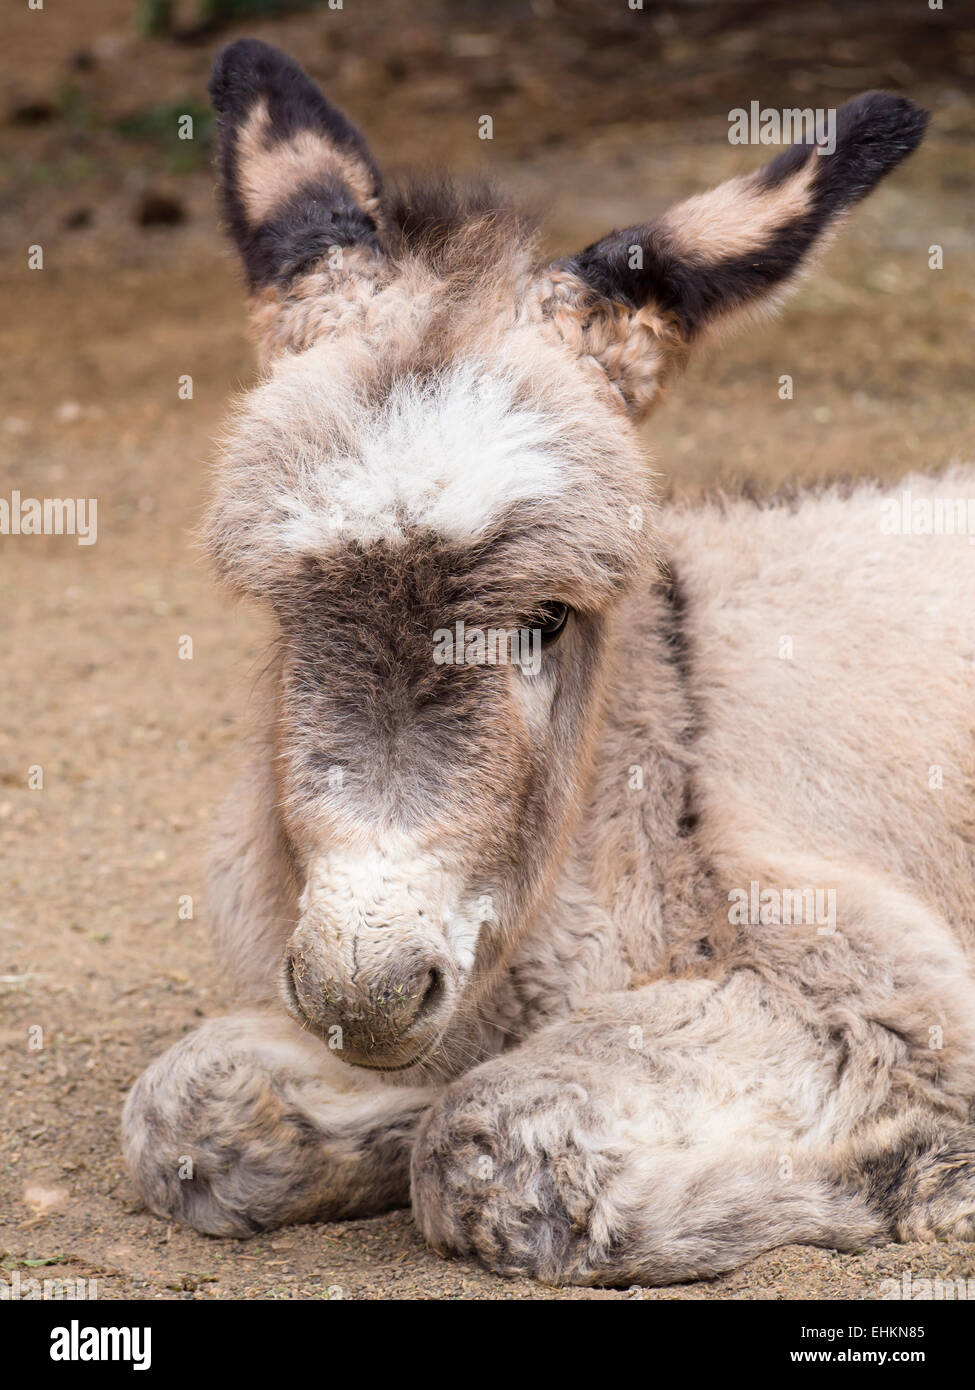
{"points": [[602, 117]]}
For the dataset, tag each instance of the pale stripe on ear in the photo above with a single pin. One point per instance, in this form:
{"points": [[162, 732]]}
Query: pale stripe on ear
{"points": [[270, 171]]}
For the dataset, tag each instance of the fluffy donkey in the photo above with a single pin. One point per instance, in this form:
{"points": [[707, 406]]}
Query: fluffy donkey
{"points": [[634, 962]]}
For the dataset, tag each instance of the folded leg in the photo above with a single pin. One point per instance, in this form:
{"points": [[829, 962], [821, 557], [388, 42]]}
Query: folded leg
{"points": [[249, 1123], [677, 1131]]}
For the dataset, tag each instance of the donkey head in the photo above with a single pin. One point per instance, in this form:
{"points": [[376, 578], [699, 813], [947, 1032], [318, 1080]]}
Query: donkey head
{"points": [[438, 491]]}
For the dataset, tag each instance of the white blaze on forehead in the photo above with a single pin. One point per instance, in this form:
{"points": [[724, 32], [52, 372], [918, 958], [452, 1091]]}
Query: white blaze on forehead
{"points": [[348, 891], [451, 454]]}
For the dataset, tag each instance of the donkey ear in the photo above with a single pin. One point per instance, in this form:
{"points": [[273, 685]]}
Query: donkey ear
{"points": [[646, 293], [296, 177]]}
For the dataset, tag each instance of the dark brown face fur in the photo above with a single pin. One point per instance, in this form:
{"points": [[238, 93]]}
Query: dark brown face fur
{"points": [[473, 762], [361, 690]]}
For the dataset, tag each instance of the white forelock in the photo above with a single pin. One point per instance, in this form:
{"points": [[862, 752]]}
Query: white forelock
{"points": [[451, 454]]}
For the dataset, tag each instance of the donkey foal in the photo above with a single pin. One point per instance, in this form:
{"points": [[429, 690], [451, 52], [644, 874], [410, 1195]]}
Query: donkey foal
{"points": [[539, 935]]}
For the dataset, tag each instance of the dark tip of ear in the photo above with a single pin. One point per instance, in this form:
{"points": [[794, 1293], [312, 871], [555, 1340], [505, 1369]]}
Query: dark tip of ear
{"points": [[874, 132], [248, 69], [235, 76]]}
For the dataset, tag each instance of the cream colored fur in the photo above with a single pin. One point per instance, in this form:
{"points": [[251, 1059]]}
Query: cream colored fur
{"points": [[517, 898]]}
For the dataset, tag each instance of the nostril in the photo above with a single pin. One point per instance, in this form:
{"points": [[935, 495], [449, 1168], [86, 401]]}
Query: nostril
{"points": [[432, 994]]}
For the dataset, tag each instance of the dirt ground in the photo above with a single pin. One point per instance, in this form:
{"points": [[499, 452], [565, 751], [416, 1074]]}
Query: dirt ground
{"points": [[602, 116]]}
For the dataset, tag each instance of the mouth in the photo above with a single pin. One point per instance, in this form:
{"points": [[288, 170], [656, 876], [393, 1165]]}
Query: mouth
{"points": [[290, 992], [417, 1057]]}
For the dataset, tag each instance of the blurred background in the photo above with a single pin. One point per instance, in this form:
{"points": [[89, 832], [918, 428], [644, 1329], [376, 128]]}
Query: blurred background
{"points": [[603, 115]]}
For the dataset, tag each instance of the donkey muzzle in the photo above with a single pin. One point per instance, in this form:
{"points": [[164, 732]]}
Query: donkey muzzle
{"points": [[380, 999]]}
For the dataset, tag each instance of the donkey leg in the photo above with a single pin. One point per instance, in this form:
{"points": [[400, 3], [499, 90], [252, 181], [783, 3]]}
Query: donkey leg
{"points": [[248, 1123], [894, 988], [919, 1174], [535, 1175], [650, 1138], [679, 1130]]}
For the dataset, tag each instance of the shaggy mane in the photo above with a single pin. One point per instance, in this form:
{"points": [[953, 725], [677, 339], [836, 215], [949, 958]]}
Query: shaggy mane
{"points": [[458, 230]]}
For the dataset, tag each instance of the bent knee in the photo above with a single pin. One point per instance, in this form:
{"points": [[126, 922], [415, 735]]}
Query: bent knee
{"points": [[210, 1143]]}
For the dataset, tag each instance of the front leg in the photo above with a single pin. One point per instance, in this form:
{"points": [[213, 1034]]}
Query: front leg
{"points": [[679, 1130], [650, 1138], [249, 1123]]}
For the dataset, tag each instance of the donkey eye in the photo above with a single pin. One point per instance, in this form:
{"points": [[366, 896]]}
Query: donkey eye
{"points": [[550, 619]]}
